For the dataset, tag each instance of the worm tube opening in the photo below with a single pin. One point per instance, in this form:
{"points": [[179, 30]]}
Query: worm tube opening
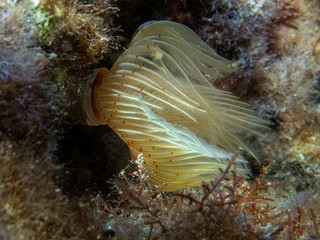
{"points": [[93, 115]]}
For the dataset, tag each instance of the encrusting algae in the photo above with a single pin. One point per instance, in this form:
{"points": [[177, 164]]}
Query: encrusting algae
{"points": [[158, 99]]}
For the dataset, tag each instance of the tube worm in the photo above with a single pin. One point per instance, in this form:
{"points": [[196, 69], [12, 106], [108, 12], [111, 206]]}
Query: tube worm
{"points": [[158, 99]]}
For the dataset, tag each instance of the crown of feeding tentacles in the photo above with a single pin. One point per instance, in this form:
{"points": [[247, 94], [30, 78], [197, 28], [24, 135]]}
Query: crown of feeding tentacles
{"points": [[158, 99]]}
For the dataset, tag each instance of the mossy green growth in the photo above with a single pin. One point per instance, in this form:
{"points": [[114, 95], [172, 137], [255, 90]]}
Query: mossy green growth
{"points": [[45, 30], [80, 34], [60, 74]]}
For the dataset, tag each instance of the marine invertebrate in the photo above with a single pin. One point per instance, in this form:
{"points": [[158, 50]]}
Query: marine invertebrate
{"points": [[158, 99]]}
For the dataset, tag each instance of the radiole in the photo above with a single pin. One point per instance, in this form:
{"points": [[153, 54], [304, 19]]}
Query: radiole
{"points": [[158, 99]]}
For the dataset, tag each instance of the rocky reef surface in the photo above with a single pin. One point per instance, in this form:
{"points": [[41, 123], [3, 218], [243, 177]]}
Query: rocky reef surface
{"points": [[62, 179]]}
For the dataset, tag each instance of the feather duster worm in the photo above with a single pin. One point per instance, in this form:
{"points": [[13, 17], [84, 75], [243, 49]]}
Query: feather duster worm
{"points": [[158, 99]]}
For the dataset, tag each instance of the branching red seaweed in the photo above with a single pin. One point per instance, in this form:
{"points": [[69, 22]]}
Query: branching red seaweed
{"points": [[226, 208]]}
